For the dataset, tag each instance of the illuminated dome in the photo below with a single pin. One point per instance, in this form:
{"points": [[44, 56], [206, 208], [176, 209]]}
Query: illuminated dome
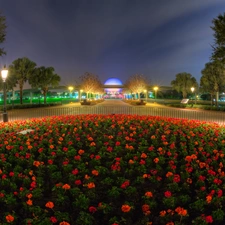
{"points": [[113, 81]]}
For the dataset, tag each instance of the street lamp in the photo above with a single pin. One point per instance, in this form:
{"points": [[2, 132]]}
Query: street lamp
{"points": [[4, 74], [81, 93], [192, 90], [145, 91], [70, 89], [155, 89]]}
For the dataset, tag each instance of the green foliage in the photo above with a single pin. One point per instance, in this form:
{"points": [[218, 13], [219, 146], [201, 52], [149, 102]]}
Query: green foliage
{"points": [[20, 70], [2, 32], [219, 38], [183, 83]]}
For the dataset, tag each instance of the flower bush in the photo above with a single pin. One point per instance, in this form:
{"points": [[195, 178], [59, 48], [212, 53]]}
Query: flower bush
{"points": [[112, 169]]}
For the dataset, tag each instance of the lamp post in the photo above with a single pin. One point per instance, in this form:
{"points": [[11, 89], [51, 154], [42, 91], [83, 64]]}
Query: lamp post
{"points": [[145, 91], [192, 90], [81, 93], [4, 74], [70, 89], [155, 89]]}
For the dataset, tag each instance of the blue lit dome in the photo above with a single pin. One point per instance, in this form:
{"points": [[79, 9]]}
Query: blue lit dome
{"points": [[113, 81]]}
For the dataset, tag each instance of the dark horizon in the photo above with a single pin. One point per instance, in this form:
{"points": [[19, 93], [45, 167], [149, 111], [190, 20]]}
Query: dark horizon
{"points": [[112, 38]]}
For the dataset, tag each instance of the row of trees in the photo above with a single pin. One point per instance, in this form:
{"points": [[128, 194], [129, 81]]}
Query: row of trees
{"points": [[24, 70]]}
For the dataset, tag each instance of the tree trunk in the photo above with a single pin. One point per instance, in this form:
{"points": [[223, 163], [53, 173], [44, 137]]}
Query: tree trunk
{"points": [[211, 99], [184, 94], [217, 98], [21, 94], [44, 93]]}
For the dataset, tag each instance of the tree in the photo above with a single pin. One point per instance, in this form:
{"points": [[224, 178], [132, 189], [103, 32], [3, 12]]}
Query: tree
{"points": [[43, 78], [90, 83], [2, 32], [21, 69], [213, 78], [183, 83], [219, 38], [137, 84]]}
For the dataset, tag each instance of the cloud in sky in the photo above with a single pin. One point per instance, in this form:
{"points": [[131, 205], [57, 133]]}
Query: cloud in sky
{"points": [[112, 38]]}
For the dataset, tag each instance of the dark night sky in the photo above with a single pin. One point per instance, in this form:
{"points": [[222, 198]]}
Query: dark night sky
{"points": [[112, 38]]}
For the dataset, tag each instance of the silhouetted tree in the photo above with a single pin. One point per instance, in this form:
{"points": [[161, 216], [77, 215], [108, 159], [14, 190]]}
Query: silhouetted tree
{"points": [[183, 83], [2, 32], [219, 38], [137, 84], [43, 78], [21, 69], [213, 78]]}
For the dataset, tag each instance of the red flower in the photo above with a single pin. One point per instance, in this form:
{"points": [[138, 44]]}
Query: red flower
{"points": [[11, 174], [117, 143], [50, 161], [78, 182], [92, 209], [53, 219], [209, 219], [167, 194], [77, 157], [97, 157], [125, 184], [220, 193], [75, 171], [176, 178]]}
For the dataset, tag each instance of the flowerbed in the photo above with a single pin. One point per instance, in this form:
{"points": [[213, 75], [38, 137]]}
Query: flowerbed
{"points": [[115, 169]]}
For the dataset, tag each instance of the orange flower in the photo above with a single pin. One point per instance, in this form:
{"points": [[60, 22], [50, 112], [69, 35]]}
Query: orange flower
{"points": [[170, 223], [153, 137], [66, 186], [143, 156], [36, 163], [145, 207], [29, 147], [29, 195], [125, 208], [208, 198], [156, 160], [162, 213], [9, 218], [87, 177], [181, 211], [29, 202], [91, 185], [189, 180], [60, 139], [92, 143], [95, 172], [148, 194], [51, 146], [145, 175], [31, 172], [80, 152], [169, 174], [131, 161], [64, 223], [49, 205]]}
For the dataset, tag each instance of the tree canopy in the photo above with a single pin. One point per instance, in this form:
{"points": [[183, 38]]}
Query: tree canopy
{"points": [[137, 83], [2, 32], [90, 83], [21, 69], [213, 77], [43, 78], [219, 38], [183, 83]]}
